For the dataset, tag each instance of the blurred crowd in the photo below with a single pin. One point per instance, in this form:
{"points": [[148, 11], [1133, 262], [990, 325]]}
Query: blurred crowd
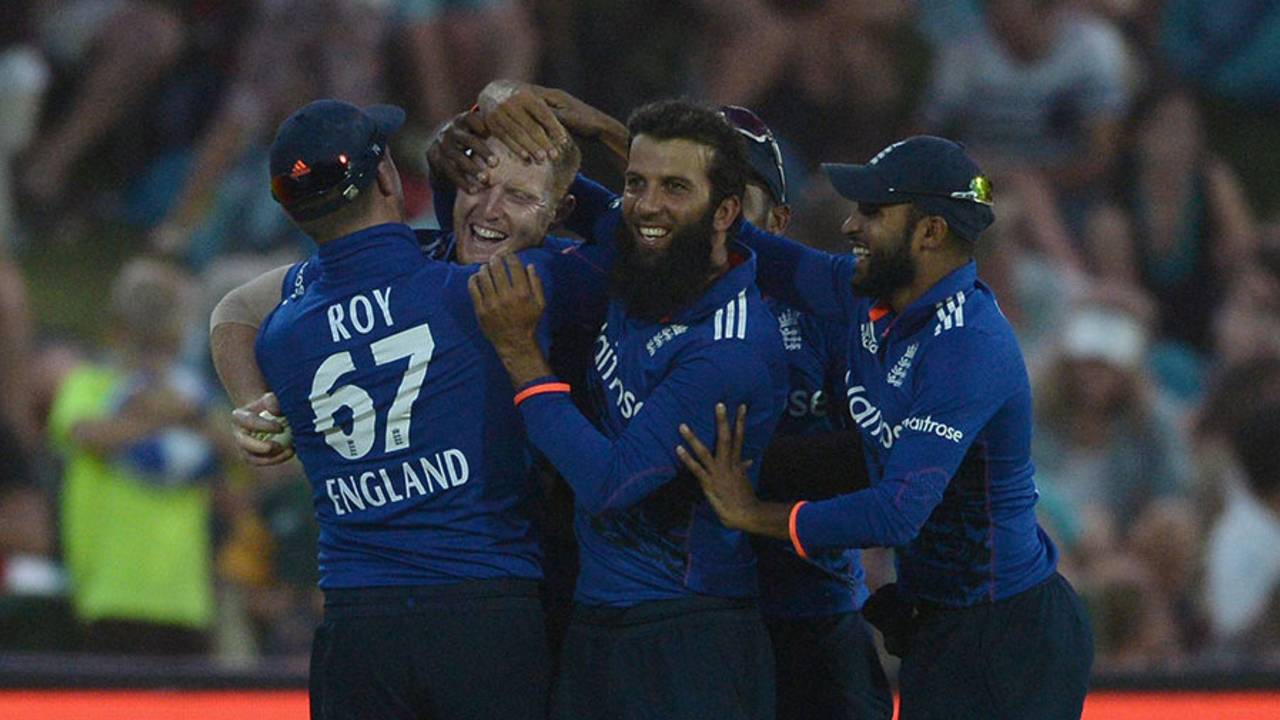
{"points": [[1132, 145]]}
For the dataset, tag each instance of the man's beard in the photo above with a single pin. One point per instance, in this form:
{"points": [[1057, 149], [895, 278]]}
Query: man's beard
{"points": [[656, 285], [888, 271]]}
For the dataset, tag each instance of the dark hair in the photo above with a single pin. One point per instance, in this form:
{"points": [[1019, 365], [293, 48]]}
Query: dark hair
{"points": [[685, 120]]}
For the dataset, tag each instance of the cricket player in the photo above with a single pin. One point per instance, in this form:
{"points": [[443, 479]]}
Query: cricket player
{"points": [[937, 386], [665, 623], [401, 415]]}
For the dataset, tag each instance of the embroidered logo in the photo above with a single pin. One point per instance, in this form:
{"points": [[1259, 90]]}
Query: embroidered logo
{"points": [[789, 324], [664, 336], [898, 372], [950, 313], [869, 337], [299, 284]]}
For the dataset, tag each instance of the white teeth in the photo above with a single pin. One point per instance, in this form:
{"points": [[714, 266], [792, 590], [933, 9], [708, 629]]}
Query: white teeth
{"points": [[653, 232], [487, 234], [860, 251]]}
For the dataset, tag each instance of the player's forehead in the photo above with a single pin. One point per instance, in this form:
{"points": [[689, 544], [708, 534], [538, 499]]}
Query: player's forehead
{"points": [[674, 158], [513, 172]]}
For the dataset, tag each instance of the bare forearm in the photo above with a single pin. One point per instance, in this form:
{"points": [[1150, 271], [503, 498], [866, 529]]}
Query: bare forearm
{"points": [[769, 519], [524, 363], [231, 345]]}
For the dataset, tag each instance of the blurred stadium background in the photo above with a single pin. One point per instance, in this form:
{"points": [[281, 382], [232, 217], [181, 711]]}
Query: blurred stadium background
{"points": [[1134, 148]]}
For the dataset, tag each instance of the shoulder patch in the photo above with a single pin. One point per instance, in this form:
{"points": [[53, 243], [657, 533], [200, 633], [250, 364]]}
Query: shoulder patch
{"points": [[731, 320]]}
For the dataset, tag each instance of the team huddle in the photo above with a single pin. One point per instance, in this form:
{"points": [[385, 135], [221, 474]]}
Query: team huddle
{"points": [[736, 415]]}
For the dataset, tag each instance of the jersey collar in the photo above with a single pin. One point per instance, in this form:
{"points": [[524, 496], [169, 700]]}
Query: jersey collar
{"points": [[924, 307], [379, 250], [740, 275]]}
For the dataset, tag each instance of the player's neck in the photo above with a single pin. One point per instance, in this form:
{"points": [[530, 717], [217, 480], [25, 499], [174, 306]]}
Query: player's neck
{"points": [[928, 274]]}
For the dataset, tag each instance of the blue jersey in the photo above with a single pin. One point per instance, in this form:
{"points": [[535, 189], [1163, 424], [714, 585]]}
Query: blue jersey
{"points": [[645, 532], [402, 414], [825, 583], [942, 402]]}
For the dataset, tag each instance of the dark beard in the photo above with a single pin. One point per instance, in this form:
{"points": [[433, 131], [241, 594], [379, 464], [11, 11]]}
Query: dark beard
{"points": [[888, 271], [654, 286]]}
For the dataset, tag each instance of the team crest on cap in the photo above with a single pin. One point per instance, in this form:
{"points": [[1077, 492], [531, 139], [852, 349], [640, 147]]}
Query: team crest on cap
{"points": [[979, 191]]}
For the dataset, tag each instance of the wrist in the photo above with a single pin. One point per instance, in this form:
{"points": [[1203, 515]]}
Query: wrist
{"points": [[523, 361]]}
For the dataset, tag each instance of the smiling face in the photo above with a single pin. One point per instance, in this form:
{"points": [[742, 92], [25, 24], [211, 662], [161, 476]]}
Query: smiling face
{"points": [[666, 189], [513, 212], [881, 236]]}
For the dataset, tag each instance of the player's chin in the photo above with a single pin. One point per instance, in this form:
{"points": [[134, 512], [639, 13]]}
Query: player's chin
{"points": [[480, 251]]}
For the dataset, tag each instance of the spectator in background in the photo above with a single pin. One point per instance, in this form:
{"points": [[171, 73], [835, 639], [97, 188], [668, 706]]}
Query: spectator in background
{"points": [[863, 63], [1039, 86], [1228, 50], [294, 51], [24, 76], [1103, 445], [1242, 565], [1192, 224], [123, 48], [33, 614], [140, 451], [1133, 626], [454, 47]]}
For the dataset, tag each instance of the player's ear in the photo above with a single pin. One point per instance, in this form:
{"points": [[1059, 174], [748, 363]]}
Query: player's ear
{"points": [[388, 176], [779, 219], [934, 234], [567, 205], [728, 211]]}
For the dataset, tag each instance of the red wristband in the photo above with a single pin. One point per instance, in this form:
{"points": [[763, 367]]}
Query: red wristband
{"points": [[539, 389], [791, 529]]}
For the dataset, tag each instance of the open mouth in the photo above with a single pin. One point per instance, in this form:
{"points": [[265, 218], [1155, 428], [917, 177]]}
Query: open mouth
{"points": [[651, 235], [860, 251], [487, 235]]}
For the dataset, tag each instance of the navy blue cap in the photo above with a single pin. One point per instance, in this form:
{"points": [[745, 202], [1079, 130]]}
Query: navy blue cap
{"points": [[325, 153], [934, 173]]}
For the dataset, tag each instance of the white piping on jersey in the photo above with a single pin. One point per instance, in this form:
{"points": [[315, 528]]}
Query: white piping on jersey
{"points": [[950, 313], [731, 320]]}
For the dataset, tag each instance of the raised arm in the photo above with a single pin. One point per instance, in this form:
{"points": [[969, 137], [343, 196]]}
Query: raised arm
{"points": [[809, 280], [605, 473]]}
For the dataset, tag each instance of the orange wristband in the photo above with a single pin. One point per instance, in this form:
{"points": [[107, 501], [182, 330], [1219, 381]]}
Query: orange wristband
{"points": [[539, 389], [791, 529]]}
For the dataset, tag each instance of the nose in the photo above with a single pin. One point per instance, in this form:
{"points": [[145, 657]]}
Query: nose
{"points": [[647, 203], [852, 225], [491, 202]]}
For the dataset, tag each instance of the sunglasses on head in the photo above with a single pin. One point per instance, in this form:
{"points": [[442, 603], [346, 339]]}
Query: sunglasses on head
{"points": [[306, 182], [979, 192], [750, 126]]}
